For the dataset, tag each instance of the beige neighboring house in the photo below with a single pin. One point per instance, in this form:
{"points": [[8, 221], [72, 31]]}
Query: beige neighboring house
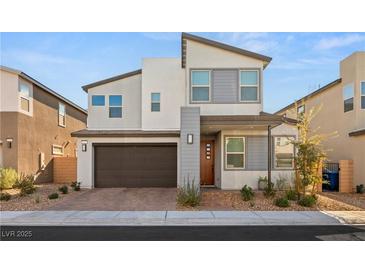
{"points": [[35, 125], [343, 110]]}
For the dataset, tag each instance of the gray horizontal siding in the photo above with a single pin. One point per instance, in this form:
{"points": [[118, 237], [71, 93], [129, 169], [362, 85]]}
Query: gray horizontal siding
{"points": [[225, 86], [256, 153]]}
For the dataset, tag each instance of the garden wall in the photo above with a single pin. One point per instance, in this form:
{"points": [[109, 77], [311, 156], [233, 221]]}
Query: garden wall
{"points": [[64, 170]]}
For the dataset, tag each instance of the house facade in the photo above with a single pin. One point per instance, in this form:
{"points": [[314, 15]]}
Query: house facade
{"points": [[197, 118], [35, 125], [342, 112]]}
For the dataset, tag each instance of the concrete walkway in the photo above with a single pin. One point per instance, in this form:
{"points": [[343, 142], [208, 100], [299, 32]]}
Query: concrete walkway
{"points": [[173, 218]]}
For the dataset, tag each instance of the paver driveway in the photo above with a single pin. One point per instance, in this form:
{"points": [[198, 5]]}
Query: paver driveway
{"points": [[122, 199]]}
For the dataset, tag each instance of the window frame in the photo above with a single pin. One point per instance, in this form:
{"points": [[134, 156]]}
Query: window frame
{"points": [[64, 115], [121, 106], [23, 95], [156, 102], [209, 86], [28, 101], [92, 96], [258, 86], [274, 153], [58, 146], [353, 97], [226, 153], [301, 106], [362, 95]]}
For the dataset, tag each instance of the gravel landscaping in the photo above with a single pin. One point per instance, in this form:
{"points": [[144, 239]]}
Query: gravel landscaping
{"points": [[354, 199], [29, 202]]}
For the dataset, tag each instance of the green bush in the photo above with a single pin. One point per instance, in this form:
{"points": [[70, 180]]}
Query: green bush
{"points": [[291, 195], [269, 192], [262, 182], [282, 202], [76, 186], [247, 193], [307, 201], [188, 195], [63, 189], [25, 184], [5, 196], [53, 196], [360, 189], [8, 177]]}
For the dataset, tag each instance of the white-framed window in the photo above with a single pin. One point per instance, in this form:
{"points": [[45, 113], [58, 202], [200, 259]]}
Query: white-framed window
{"points": [[61, 115], [362, 92], [235, 152], [301, 110], [249, 85], [24, 92], [200, 85], [98, 100], [348, 97], [57, 150], [283, 153], [115, 106], [155, 101], [24, 104]]}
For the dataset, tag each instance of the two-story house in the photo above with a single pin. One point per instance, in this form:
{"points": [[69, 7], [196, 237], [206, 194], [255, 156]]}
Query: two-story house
{"points": [[196, 118], [342, 112], [35, 125]]}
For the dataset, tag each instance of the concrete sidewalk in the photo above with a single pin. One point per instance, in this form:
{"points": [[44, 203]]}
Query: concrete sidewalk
{"points": [[166, 218]]}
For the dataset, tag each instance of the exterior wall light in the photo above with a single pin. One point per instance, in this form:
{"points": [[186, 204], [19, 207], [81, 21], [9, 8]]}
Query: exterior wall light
{"points": [[9, 141], [84, 145], [190, 139]]}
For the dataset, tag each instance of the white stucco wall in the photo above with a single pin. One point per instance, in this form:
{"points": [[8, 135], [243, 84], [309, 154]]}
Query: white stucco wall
{"points": [[163, 75], [130, 89], [85, 160]]}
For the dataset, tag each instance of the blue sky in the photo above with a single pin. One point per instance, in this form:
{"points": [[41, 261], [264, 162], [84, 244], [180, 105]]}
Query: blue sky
{"points": [[65, 61]]}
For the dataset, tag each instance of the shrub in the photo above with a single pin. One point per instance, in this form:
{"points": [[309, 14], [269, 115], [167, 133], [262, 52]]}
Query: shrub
{"points": [[25, 184], [360, 189], [269, 192], [307, 201], [281, 182], [76, 186], [282, 202], [5, 196], [262, 182], [188, 195], [53, 196], [63, 189], [8, 177], [247, 193], [291, 195]]}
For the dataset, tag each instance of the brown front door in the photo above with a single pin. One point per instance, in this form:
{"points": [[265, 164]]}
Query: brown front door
{"points": [[207, 162]]}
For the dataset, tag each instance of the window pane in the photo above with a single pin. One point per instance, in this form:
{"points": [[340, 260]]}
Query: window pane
{"points": [[24, 104], [201, 94], [234, 160], [155, 107], [115, 100], [200, 78], [349, 104], [61, 109], [363, 88], [283, 152], [301, 109], [57, 150], [249, 77], [24, 89], [61, 120], [363, 102], [248, 93], [98, 100], [235, 145], [348, 91], [155, 97], [115, 112]]}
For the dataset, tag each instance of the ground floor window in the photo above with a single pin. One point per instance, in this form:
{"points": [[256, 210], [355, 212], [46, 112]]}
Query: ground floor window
{"points": [[284, 153], [235, 152], [57, 150]]}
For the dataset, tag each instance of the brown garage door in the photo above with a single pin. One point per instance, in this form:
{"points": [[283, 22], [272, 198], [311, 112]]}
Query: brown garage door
{"points": [[135, 165]]}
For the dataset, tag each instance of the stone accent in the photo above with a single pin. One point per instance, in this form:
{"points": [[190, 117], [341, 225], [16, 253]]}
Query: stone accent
{"points": [[64, 169], [346, 176]]}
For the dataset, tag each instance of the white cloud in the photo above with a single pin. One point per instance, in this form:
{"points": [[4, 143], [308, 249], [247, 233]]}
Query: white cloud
{"points": [[340, 41]]}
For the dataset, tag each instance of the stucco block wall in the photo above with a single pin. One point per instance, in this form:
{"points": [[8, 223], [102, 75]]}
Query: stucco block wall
{"points": [[64, 169], [9, 129], [346, 176]]}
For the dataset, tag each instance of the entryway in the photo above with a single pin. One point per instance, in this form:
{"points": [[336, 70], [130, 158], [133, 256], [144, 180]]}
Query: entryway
{"points": [[207, 162]]}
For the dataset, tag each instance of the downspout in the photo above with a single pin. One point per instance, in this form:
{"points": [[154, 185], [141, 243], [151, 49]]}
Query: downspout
{"points": [[269, 157]]}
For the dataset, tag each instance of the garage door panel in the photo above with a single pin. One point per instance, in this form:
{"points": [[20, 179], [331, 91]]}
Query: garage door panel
{"points": [[135, 165]]}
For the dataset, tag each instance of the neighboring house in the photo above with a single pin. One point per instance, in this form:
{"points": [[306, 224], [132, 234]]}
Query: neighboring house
{"points": [[35, 125], [343, 111], [194, 118]]}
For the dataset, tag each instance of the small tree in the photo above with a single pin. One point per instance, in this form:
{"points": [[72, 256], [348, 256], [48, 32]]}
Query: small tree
{"points": [[310, 153]]}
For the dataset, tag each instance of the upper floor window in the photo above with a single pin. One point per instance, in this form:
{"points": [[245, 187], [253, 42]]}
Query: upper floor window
{"points": [[249, 85], [115, 106], [284, 153], [300, 110], [61, 115], [235, 152], [348, 97], [24, 91], [98, 100], [200, 85], [362, 89], [155, 102]]}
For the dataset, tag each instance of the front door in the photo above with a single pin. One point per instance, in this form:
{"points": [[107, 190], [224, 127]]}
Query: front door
{"points": [[207, 162]]}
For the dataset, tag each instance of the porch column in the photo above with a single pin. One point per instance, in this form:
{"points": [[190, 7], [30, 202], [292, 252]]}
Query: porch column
{"points": [[269, 154]]}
